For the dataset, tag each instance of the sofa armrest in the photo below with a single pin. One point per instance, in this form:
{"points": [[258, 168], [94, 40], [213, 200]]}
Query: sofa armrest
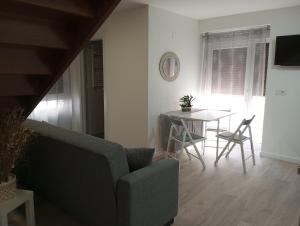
{"points": [[149, 196]]}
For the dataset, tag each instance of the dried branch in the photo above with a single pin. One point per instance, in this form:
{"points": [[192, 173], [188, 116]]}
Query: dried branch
{"points": [[13, 138]]}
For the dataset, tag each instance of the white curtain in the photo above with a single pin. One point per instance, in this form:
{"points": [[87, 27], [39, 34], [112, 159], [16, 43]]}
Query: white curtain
{"points": [[63, 106], [234, 73]]}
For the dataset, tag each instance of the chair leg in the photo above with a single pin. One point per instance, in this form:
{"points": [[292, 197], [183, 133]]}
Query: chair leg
{"points": [[252, 151], [188, 154], [243, 158], [169, 142], [204, 142], [203, 147], [229, 124], [168, 147], [252, 148], [230, 150], [199, 156], [218, 139], [222, 152], [183, 141]]}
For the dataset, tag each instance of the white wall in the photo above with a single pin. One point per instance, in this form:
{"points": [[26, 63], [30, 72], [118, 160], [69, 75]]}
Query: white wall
{"points": [[282, 123], [125, 46], [170, 32], [135, 93]]}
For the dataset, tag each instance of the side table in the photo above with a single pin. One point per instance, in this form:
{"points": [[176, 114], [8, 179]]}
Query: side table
{"points": [[22, 196]]}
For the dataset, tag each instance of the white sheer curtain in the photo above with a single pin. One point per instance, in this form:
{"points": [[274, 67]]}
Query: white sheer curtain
{"points": [[63, 105], [234, 73]]}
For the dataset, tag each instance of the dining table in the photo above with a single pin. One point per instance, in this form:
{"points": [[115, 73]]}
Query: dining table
{"points": [[203, 115]]}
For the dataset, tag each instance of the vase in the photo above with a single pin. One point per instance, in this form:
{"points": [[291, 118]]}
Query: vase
{"points": [[186, 109], [8, 189]]}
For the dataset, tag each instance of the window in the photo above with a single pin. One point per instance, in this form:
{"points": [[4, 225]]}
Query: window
{"points": [[234, 73], [229, 70], [261, 50]]}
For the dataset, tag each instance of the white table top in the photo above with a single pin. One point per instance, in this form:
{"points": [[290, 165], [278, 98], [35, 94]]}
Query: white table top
{"points": [[21, 197], [200, 115]]}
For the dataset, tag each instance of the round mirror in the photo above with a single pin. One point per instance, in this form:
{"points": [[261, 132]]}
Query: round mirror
{"points": [[169, 66]]}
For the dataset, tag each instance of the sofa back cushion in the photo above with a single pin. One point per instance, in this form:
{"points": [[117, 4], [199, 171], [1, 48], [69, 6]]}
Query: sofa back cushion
{"points": [[78, 173]]}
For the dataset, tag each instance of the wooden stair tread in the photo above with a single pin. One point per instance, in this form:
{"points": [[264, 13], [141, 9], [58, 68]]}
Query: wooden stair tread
{"points": [[9, 101], [17, 32], [75, 7], [39, 40], [16, 85], [20, 61]]}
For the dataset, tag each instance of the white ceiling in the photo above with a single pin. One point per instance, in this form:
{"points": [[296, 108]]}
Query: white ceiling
{"points": [[202, 9]]}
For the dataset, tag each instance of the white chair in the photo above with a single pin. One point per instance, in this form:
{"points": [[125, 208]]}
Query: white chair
{"points": [[184, 137], [212, 127], [238, 138]]}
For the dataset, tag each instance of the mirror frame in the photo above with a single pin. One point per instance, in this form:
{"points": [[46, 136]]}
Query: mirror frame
{"points": [[164, 57]]}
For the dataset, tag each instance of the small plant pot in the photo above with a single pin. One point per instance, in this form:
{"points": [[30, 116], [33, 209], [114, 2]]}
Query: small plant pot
{"points": [[186, 109], [8, 189]]}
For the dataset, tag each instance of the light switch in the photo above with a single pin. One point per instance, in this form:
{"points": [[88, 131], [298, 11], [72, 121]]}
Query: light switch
{"points": [[281, 92]]}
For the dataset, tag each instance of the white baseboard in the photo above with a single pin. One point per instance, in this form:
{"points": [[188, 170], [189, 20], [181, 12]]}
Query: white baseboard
{"points": [[280, 157]]}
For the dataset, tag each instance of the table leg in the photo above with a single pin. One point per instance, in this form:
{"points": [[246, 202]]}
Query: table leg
{"points": [[3, 220], [204, 135], [29, 206], [217, 149]]}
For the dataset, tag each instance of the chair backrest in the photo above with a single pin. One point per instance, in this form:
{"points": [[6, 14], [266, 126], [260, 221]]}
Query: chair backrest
{"points": [[246, 123], [175, 121]]}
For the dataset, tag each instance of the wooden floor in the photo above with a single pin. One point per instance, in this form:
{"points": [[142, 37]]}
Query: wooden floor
{"points": [[268, 195]]}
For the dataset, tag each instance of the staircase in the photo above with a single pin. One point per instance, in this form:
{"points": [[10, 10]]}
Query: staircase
{"points": [[38, 41]]}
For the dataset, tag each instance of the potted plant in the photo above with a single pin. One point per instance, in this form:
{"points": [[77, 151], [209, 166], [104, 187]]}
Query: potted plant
{"points": [[186, 103], [13, 138]]}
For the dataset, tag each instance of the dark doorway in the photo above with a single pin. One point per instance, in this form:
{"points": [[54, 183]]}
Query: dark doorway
{"points": [[93, 60]]}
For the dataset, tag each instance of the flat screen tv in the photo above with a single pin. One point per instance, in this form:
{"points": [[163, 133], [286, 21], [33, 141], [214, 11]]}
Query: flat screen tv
{"points": [[287, 50]]}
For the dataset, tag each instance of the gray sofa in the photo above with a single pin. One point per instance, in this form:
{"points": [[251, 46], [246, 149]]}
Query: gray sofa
{"points": [[89, 179]]}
